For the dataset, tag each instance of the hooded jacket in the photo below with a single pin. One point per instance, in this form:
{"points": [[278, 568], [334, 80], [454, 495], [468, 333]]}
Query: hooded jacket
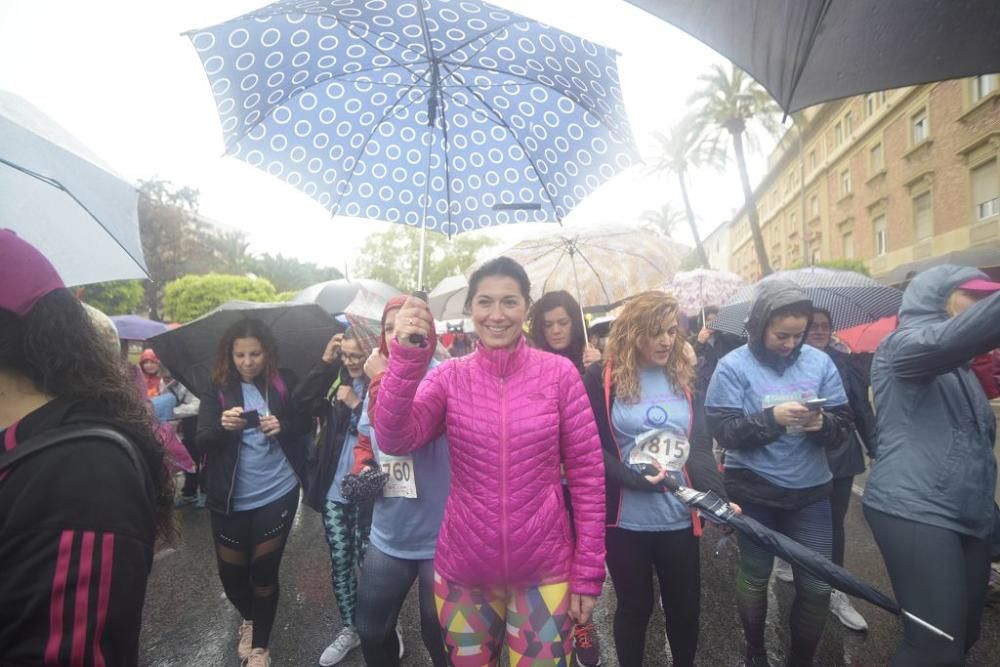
{"points": [[511, 416], [737, 427], [222, 447], [76, 546], [936, 430]]}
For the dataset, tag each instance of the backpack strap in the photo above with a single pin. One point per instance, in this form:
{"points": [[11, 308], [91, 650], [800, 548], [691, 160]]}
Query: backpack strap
{"points": [[73, 433]]}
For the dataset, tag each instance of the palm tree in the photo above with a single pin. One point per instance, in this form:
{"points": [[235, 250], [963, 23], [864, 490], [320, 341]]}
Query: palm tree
{"points": [[662, 220], [730, 103], [684, 147]]}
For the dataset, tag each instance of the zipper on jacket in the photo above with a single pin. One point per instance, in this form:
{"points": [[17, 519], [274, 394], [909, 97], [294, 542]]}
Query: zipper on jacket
{"points": [[503, 480], [232, 482]]}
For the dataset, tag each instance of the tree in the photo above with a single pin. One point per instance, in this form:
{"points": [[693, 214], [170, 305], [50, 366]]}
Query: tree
{"points": [[733, 103], [682, 148], [662, 220], [231, 250], [190, 297], [392, 256], [115, 297], [288, 274]]}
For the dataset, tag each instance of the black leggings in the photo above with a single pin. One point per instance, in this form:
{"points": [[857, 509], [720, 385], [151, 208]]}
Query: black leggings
{"points": [[248, 548], [940, 576], [840, 501], [632, 557], [385, 582]]}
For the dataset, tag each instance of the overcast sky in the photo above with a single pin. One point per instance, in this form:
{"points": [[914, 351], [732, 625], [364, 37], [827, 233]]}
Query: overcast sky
{"points": [[119, 75]]}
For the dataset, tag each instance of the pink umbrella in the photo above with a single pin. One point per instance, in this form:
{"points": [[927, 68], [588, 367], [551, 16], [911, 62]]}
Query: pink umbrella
{"points": [[700, 288], [866, 337]]}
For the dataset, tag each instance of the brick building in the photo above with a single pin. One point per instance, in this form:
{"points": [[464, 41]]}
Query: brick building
{"points": [[893, 178]]}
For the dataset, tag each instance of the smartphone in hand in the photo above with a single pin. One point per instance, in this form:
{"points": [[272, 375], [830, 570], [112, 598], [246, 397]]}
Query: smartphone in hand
{"points": [[252, 418], [814, 404]]}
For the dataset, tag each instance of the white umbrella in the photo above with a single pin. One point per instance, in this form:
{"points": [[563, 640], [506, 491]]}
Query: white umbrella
{"points": [[447, 299], [59, 197]]}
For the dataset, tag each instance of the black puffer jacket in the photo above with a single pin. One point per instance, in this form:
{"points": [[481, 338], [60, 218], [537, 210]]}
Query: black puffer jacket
{"points": [[222, 447]]}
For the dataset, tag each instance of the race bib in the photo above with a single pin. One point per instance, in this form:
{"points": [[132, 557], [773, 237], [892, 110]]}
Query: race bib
{"points": [[667, 447], [402, 479]]}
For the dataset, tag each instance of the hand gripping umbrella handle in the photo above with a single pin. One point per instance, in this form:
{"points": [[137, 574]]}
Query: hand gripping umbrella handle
{"points": [[417, 339], [711, 505]]}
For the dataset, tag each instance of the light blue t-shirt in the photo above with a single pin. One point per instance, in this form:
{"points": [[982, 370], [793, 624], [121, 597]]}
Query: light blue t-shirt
{"points": [[793, 461], [659, 407], [408, 528], [263, 474], [346, 460]]}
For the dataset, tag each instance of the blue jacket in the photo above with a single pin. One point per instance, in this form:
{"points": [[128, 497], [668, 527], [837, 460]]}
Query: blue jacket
{"points": [[936, 429]]}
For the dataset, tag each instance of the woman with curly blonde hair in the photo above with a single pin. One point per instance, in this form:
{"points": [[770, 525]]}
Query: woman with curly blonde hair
{"points": [[651, 424]]}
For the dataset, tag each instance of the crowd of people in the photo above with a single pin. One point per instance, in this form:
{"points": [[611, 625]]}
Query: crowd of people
{"points": [[504, 482]]}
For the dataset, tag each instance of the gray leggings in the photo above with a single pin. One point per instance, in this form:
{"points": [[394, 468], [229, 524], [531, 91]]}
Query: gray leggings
{"points": [[940, 576], [385, 582]]}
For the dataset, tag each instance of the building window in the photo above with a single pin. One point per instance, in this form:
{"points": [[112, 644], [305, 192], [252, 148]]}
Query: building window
{"points": [[923, 217], [874, 102], [983, 85], [817, 257], [878, 224], [812, 161], [919, 127], [838, 133], [813, 207], [986, 190], [848, 240], [875, 159], [849, 124], [845, 182]]}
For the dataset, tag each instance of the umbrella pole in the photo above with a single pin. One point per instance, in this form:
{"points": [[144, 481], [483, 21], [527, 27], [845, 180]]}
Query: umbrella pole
{"points": [[928, 626], [423, 238], [579, 297]]}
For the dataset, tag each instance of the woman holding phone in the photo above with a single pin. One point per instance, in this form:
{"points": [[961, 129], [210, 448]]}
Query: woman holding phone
{"points": [[252, 437], [776, 405]]}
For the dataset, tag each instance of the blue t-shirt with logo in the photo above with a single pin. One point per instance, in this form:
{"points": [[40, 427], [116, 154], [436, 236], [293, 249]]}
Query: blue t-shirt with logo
{"points": [[661, 409], [263, 474], [346, 460], [740, 381], [408, 528]]}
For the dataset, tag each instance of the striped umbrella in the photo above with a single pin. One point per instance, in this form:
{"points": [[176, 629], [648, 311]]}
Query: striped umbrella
{"points": [[851, 298]]}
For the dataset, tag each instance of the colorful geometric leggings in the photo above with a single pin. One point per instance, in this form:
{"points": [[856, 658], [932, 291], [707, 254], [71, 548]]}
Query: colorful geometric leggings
{"points": [[347, 550], [811, 526], [536, 622]]}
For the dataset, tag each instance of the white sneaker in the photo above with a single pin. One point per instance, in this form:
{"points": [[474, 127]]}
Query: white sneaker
{"points": [[399, 638], [783, 571], [345, 641], [845, 612]]}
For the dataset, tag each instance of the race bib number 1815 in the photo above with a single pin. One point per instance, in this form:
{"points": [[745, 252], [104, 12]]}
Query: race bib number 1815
{"points": [[669, 448]]}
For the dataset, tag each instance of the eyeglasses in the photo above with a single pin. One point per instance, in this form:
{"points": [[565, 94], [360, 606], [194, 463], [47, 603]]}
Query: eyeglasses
{"points": [[352, 358]]}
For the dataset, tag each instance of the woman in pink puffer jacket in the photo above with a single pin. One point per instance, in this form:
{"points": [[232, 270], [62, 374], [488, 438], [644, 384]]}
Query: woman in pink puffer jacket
{"points": [[508, 559]]}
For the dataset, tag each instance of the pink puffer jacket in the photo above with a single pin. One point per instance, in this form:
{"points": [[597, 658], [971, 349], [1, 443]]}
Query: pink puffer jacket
{"points": [[512, 417]]}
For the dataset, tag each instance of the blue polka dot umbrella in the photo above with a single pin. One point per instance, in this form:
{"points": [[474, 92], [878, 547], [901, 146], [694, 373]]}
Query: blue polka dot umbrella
{"points": [[448, 115]]}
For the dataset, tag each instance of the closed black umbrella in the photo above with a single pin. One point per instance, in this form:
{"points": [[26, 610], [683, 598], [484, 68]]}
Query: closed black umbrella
{"points": [[717, 510], [301, 330], [809, 51]]}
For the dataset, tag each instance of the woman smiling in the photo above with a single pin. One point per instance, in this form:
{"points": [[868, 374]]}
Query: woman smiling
{"points": [[507, 561]]}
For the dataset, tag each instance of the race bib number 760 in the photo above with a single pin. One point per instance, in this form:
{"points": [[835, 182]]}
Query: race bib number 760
{"points": [[402, 481]]}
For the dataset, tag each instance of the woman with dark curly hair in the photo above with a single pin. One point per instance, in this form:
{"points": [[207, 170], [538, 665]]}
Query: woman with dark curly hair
{"points": [[252, 436], [557, 327], [78, 520]]}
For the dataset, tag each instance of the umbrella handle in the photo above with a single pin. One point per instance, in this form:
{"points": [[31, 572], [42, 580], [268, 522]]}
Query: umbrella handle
{"points": [[417, 339]]}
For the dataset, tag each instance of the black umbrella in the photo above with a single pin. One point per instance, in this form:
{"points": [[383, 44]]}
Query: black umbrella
{"points": [[851, 298], [719, 511], [301, 330], [809, 51]]}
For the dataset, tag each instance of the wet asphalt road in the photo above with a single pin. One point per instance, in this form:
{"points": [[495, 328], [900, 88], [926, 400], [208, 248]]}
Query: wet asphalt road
{"points": [[187, 621]]}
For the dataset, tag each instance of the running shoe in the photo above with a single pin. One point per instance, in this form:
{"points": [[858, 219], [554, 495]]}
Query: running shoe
{"points": [[783, 571], [259, 657], [755, 661], [245, 644], [845, 612], [585, 646], [346, 641]]}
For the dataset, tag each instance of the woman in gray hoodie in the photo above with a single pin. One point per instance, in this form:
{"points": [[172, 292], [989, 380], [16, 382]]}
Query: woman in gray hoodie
{"points": [[929, 499]]}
